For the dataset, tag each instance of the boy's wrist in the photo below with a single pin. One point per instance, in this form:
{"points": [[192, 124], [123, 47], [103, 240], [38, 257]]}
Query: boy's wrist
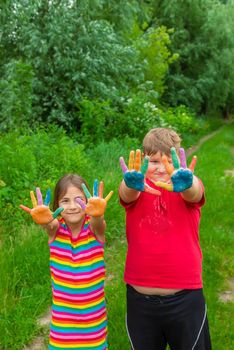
{"points": [[127, 194], [195, 192]]}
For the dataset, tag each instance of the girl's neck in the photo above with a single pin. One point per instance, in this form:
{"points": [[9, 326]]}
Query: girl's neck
{"points": [[75, 229]]}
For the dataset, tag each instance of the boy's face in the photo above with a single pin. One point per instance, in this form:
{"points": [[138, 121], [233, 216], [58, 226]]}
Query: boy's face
{"points": [[156, 169]]}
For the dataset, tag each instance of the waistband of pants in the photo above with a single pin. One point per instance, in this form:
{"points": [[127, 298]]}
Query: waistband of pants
{"points": [[181, 292]]}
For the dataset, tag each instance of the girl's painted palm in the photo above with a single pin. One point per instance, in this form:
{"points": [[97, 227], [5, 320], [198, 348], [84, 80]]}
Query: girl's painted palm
{"points": [[40, 212], [96, 204], [134, 174], [181, 176]]}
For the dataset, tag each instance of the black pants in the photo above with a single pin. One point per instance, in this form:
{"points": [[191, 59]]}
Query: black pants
{"points": [[178, 320]]}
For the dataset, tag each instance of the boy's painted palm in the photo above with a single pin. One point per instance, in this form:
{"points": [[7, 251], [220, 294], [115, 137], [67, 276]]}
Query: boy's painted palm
{"points": [[96, 204], [181, 176], [40, 212], [134, 174]]}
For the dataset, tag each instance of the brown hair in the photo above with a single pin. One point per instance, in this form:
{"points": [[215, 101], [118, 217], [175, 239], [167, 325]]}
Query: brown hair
{"points": [[63, 184], [161, 140]]}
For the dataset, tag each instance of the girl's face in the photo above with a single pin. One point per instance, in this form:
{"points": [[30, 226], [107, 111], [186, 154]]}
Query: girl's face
{"points": [[72, 213], [156, 169]]}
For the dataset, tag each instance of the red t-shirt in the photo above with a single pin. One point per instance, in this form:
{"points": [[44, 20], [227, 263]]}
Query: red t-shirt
{"points": [[163, 241]]}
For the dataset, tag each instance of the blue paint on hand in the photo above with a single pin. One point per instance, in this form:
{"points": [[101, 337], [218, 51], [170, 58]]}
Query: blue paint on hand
{"points": [[182, 179], [134, 180]]}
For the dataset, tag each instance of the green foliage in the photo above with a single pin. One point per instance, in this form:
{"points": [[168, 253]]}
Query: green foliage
{"points": [[120, 13], [54, 55], [153, 46], [73, 52], [25, 284], [96, 117], [100, 121], [219, 66], [181, 120], [203, 37], [16, 95], [30, 160]]}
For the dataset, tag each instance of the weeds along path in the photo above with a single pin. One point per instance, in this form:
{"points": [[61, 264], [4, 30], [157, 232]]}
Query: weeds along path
{"points": [[114, 280], [228, 294], [40, 342], [205, 138]]}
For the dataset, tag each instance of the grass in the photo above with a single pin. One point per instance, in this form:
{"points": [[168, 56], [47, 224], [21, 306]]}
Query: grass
{"points": [[24, 261], [25, 285], [217, 235]]}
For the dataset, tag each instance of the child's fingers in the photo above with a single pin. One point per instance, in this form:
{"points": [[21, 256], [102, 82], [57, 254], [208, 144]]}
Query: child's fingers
{"points": [[86, 191], [137, 165], [109, 196], [95, 188], [47, 198], [164, 185], [57, 212], [39, 196], [169, 168], [183, 163], [81, 203], [101, 189], [145, 165], [193, 163], [123, 165], [33, 199], [131, 161], [28, 210], [175, 159]]}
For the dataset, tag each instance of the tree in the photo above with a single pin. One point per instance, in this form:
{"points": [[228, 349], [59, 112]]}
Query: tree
{"points": [[72, 52], [203, 38]]}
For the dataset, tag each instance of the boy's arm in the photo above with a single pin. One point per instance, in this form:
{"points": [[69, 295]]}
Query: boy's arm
{"points": [[134, 182], [127, 194], [182, 178], [194, 193]]}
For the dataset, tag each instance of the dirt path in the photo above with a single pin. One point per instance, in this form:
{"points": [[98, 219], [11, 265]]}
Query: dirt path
{"points": [[40, 342], [205, 138], [228, 295]]}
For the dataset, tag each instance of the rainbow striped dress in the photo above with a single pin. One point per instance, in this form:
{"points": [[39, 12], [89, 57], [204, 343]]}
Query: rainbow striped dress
{"points": [[79, 319]]}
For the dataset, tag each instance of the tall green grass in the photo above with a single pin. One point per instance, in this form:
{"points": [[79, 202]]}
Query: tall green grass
{"points": [[24, 285], [217, 233]]}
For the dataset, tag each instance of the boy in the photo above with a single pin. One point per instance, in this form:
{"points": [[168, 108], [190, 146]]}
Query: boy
{"points": [[163, 272]]}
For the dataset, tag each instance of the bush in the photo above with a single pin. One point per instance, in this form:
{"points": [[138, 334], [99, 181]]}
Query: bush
{"points": [[39, 159], [100, 121]]}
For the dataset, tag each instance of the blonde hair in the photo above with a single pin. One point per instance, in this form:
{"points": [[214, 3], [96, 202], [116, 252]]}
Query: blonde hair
{"points": [[161, 140]]}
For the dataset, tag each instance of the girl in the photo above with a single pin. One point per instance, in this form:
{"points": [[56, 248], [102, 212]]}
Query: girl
{"points": [[76, 243]]}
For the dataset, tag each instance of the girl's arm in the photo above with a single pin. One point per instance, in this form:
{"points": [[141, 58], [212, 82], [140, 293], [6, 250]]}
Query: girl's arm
{"points": [[95, 208], [98, 226], [51, 229]]}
